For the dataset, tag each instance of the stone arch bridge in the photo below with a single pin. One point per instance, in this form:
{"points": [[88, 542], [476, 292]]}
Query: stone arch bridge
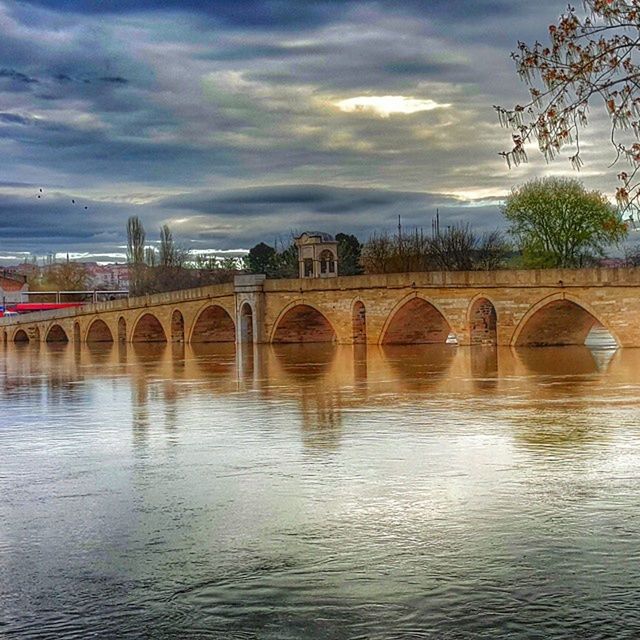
{"points": [[516, 308]]}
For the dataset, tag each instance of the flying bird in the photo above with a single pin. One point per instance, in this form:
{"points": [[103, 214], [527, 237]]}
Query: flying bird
{"points": [[41, 195]]}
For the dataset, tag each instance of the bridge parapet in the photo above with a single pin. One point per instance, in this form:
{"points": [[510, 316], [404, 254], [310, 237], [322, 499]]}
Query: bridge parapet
{"points": [[627, 276]]}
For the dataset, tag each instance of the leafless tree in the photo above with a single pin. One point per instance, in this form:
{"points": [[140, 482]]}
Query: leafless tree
{"points": [[457, 248]]}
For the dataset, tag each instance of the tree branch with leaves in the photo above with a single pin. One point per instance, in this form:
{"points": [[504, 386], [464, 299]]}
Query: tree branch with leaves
{"points": [[591, 58]]}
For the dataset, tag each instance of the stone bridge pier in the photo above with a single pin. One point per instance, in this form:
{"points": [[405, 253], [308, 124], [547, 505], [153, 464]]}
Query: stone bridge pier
{"points": [[250, 309], [505, 308]]}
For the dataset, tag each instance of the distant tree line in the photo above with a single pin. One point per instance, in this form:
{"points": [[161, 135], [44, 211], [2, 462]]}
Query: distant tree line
{"points": [[553, 222], [60, 276], [170, 267], [457, 248]]}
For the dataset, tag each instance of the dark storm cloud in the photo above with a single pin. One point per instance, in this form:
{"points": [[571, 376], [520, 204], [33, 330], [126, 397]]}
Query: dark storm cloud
{"points": [[209, 99], [371, 66], [93, 153], [309, 197], [228, 219], [8, 183], [12, 74], [64, 78], [266, 51], [14, 118], [114, 80], [278, 14], [54, 220], [281, 209]]}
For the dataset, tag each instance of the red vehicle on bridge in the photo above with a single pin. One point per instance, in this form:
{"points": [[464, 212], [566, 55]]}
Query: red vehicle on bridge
{"points": [[30, 307]]}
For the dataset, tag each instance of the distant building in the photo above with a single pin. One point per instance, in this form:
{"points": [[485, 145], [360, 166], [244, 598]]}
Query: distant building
{"points": [[317, 255], [107, 276], [12, 285], [99, 276]]}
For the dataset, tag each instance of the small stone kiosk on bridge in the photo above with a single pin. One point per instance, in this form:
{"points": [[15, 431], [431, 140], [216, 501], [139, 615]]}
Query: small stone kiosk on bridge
{"points": [[317, 255]]}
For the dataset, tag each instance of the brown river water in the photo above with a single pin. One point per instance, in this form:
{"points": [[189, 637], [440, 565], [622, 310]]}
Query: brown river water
{"points": [[319, 492]]}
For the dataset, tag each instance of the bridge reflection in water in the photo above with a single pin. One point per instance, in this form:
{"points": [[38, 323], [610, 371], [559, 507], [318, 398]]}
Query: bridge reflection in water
{"points": [[322, 380], [317, 491]]}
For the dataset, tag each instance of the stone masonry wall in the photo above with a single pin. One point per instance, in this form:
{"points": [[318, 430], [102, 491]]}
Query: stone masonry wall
{"points": [[530, 307]]}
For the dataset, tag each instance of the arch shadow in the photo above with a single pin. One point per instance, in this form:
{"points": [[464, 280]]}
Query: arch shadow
{"points": [[122, 330], [359, 322], [99, 332], [213, 324], [148, 329], [482, 320], [21, 337], [246, 323], [557, 320], [415, 321], [302, 323], [177, 326], [57, 334]]}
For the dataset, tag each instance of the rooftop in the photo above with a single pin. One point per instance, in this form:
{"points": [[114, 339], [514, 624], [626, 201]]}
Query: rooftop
{"points": [[321, 235]]}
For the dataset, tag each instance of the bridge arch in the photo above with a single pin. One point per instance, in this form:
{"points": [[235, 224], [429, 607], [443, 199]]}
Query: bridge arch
{"points": [[557, 320], [301, 322], [56, 334], [177, 326], [415, 320], [148, 329], [21, 336], [482, 320], [122, 329], [359, 322], [213, 323], [99, 332], [246, 322]]}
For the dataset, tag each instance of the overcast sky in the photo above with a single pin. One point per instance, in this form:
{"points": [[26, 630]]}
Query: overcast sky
{"points": [[239, 122]]}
